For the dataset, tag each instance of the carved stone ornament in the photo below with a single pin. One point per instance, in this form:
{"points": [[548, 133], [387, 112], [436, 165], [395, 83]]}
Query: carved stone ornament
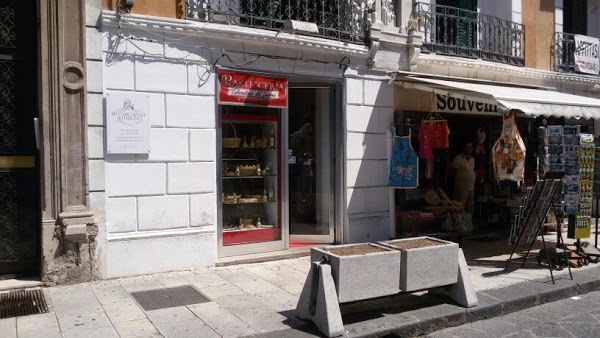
{"points": [[388, 15], [413, 57], [73, 75]]}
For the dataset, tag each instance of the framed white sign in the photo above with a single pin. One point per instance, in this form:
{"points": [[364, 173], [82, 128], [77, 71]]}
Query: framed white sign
{"points": [[127, 124], [586, 55]]}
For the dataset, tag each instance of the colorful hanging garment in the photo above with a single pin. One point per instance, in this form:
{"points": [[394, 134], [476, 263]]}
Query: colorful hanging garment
{"points": [[426, 136], [509, 152], [440, 135], [404, 169]]}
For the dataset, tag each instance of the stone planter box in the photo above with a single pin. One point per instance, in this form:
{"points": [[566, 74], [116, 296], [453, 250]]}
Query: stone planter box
{"points": [[359, 276], [425, 267]]}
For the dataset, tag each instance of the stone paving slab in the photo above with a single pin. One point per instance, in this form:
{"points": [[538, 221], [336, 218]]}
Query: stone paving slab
{"points": [[187, 328], [107, 331], [221, 320], [136, 328], [8, 327]]}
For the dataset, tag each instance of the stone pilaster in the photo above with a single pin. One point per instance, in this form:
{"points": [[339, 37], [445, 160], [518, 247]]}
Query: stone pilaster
{"points": [[68, 224]]}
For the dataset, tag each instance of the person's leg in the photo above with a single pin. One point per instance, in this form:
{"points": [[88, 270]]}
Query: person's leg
{"points": [[461, 195], [469, 202]]}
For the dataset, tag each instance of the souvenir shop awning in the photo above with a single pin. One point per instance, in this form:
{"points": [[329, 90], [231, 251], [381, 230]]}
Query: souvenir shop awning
{"points": [[534, 102]]}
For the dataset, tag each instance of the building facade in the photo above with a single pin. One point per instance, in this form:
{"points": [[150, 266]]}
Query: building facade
{"points": [[179, 194]]}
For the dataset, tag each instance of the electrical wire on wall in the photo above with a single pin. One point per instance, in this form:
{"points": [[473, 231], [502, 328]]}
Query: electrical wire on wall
{"points": [[211, 59]]}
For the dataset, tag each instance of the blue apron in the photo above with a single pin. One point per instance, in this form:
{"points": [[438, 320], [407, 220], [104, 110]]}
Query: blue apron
{"points": [[404, 168]]}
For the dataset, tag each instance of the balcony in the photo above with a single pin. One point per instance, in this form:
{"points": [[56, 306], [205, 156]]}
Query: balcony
{"points": [[341, 20], [575, 54], [459, 32]]}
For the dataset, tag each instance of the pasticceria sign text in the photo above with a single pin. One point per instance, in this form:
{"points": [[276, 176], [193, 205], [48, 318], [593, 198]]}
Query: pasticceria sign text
{"points": [[451, 104]]}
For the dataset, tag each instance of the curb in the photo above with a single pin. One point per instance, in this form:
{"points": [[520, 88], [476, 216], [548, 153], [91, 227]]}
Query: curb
{"points": [[428, 319]]}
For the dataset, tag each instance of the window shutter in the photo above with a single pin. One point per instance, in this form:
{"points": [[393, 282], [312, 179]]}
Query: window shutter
{"points": [[575, 16]]}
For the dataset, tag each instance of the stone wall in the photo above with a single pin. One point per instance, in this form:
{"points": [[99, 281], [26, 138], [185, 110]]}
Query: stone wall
{"points": [[369, 117], [69, 85], [161, 209]]}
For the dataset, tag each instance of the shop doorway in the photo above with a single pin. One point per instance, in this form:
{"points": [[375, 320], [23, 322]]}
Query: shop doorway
{"points": [[19, 170], [310, 165]]}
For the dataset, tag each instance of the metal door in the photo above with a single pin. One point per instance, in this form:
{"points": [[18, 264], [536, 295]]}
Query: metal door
{"points": [[20, 222]]}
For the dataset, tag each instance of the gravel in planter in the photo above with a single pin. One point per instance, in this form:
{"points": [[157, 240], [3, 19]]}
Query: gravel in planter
{"points": [[420, 242], [360, 249]]}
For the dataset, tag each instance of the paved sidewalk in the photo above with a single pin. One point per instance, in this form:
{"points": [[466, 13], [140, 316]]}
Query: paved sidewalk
{"points": [[259, 299]]}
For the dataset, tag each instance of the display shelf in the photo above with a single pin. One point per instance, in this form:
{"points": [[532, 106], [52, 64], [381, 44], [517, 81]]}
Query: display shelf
{"points": [[243, 177], [270, 227], [249, 148], [237, 159], [243, 203], [247, 236]]}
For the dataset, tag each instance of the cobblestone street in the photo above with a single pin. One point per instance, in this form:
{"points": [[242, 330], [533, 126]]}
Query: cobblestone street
{"points": [[572, 317]]}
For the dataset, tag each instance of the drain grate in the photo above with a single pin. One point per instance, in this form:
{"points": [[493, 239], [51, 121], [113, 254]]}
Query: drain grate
{"points": [[169, 297], [22, 303]]}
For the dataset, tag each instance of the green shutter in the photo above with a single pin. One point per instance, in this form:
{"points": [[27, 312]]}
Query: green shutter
{"points": [[464, 31]]}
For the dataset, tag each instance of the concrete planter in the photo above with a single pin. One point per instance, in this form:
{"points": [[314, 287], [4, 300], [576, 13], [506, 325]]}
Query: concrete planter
{"points": [[362, 276], [428, 266]]}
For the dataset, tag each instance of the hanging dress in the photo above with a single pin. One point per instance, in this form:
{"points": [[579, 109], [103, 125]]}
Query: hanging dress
{"points": [[509, 152]]}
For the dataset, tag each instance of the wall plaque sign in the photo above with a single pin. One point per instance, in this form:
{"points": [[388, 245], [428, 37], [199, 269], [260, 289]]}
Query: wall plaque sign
{"points": [[127, 124]]}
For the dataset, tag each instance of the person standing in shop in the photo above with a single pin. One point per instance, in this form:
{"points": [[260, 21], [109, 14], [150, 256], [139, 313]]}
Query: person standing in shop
{"points": [[463, 176]]}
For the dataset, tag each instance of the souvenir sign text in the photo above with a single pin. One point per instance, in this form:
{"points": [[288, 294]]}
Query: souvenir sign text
{"points": [[449, 104], [127, 124], [247, 89], [586, 54]]}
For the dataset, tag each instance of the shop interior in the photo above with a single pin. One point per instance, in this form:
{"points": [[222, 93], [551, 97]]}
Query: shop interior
{"points": [[277, 173], [423, 211]]}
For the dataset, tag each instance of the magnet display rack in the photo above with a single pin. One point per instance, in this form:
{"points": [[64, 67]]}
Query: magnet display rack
{"points": [[580, 220], [597, 185]]}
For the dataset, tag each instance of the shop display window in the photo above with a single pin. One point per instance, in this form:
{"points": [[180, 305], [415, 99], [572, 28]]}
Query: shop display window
{"points": [[250, 177]]}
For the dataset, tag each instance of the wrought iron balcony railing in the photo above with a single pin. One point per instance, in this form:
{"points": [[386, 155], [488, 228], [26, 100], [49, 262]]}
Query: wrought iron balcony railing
{"points": [[342, 20], [460, 32], [565, 50]]}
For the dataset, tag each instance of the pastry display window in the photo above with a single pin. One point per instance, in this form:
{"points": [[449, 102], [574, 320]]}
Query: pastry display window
{"points": [[250, 177]]}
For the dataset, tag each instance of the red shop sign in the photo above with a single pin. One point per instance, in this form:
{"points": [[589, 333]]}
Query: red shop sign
{"points": [[246, 89]]}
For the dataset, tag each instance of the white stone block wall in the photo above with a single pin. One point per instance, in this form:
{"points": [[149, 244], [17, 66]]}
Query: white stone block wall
{"points": [[161, 212], [166, 201], [369, 116], [558, 15], [516, 11], [95, 120]]}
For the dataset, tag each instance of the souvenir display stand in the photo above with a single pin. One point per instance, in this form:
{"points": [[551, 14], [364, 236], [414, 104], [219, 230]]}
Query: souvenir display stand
{"points": [[529, 222], [573, 153]]}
